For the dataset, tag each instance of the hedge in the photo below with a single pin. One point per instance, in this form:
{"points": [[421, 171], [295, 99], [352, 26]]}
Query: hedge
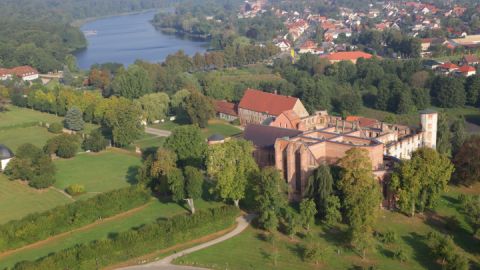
{"points": [[137, 241], [39, 226]]}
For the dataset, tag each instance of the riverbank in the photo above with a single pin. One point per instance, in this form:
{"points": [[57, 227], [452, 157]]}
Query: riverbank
{"points": [[80, 22]]}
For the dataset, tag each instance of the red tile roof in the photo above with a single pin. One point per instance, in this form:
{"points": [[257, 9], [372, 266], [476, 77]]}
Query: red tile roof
{"points": [[259, 101], [225, 107], [21, 71], [342, 56], [364, 122], [471, 58], [448, 66], [466, 69]]}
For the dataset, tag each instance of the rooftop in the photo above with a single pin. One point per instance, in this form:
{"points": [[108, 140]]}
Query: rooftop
{"points": [[273, 104]]}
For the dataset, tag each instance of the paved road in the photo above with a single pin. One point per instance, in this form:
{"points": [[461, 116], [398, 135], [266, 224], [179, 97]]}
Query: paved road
{"points": [[157, 132], [166, 263]]}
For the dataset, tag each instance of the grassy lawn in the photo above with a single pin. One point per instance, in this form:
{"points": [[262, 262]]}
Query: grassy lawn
{"points": [[250, 251], [152, 212], [98, 172], [214, 126], [14, 137], [149, 141], [18, 199]]}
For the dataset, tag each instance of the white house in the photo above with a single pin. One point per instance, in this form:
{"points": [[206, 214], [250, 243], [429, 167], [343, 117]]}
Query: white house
{"points": [[5, 156]]}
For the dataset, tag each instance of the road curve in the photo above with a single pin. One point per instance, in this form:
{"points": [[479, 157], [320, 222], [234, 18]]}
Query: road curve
{"points": [[166, 263]]}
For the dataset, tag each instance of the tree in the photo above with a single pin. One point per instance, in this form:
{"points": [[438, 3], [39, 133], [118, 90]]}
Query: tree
{"points": [[332, 210], [467, 162], [31, 164], [308, 211], [471, 208], [199, 109], [459, 134], [292, 223], [443, 247], [231, 164], [361, 196], [159, 167], [64, 145], [449, 92], [132, 83], [444, 135], [122, 117], [74, 119], [95, 141], [189, 145], [193, 186], [419, 181], [312, 253], [320, 187], [154, 106], [270, 197], [473, 90]]}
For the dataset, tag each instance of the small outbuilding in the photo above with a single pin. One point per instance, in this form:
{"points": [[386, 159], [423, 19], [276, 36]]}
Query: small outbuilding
{"points": [[216, 139], [5, 156]]}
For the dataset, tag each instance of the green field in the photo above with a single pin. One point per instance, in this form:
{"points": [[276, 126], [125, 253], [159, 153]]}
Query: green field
{"points": [[152, 212], [249, 251], [18, 199], [148, 141], [97, 172], [14, 137], [214, 126]]}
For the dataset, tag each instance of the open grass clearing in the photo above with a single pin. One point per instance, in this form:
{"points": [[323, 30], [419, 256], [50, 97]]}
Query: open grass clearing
{"points": [[17, 199], [250, 251], [152, 212], [15, 137], [215, 126], [97, 172]]}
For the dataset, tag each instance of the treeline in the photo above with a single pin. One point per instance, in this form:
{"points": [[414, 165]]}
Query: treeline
{"points": [[39, 33], [388, 43], [217, 20], [38, 226], [391, 85], [137, 241]]}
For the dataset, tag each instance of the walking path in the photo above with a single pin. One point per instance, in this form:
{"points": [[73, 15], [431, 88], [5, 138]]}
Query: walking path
{"points": [[157, 132], [166, 263]]}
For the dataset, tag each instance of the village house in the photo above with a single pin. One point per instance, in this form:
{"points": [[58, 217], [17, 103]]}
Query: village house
{"points": [[466, 71], [447, 68], [257, 106], [226, 110], [347, 56], [470, 60], [25, 73]]}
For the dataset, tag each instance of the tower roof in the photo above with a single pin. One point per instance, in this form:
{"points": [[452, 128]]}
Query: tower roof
{"points": [[5, 152]]}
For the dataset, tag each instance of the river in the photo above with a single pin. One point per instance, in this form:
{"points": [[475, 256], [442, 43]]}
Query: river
{"points": [[124, 39]]}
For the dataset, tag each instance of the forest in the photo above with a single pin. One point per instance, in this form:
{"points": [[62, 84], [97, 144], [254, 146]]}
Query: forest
{"points": [[39, 33]]}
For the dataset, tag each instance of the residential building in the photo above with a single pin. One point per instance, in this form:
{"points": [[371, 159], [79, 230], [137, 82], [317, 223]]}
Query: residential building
{"points": [[347, 56], [466, 71], [226, 110], [257, 107], [26, 73]]}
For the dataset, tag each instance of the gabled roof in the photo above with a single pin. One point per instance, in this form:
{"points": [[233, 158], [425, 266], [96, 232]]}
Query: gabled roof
{"points": [[265, 136], [471, 58], [466, 69], [448, 66], [343, 56], [225, 107], [259, 101]]}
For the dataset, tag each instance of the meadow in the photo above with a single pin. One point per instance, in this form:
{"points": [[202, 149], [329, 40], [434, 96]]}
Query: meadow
{"points": [[249, 250]]}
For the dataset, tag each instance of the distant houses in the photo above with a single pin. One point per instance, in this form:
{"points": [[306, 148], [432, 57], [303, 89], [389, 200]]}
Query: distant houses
{"points": [[26, 73], [346, 56]]}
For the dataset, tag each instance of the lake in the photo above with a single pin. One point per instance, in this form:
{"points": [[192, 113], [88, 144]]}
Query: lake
{"points": [[124, 39]]}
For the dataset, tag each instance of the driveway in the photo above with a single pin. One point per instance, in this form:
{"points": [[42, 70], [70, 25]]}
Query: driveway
{"points": [[166, 263], [157, 132]]}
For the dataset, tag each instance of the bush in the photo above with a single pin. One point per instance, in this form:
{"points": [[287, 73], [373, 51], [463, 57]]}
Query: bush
{"points": [[42, 181], [400, 255], [95, 142], [74, 119], [312, 253], [236, 122], [39, 226], [389, 237], [55, 128], [75, 189], [64, 145], [137, 241]]}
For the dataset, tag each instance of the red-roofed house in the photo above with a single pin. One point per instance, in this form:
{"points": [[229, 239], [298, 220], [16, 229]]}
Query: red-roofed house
{"points": [[347, 56], [26, 73], [225, 110], [447, 68], [470, 59], [257, 106], [466, 71]]}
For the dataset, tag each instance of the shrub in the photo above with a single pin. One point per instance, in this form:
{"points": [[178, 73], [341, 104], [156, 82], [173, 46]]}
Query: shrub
{"points": [[55, 128], [64, 145], [400, 255], [95, 142], [74, 119], [236, 122], [75, 189], [38, 226], [137, 241], [389, 237], [312, 253], [42, 181]]}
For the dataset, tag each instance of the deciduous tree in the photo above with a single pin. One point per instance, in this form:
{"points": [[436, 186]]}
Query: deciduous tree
{"points": [[467, 162], [308, 210], [199, 109], [189, 145], [320, 186]]}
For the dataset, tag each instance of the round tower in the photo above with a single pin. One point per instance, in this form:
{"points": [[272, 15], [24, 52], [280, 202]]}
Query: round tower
{"points": [[429, 119]]}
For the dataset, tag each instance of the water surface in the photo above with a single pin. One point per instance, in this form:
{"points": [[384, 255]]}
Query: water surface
{"points": [[124, 39]]}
